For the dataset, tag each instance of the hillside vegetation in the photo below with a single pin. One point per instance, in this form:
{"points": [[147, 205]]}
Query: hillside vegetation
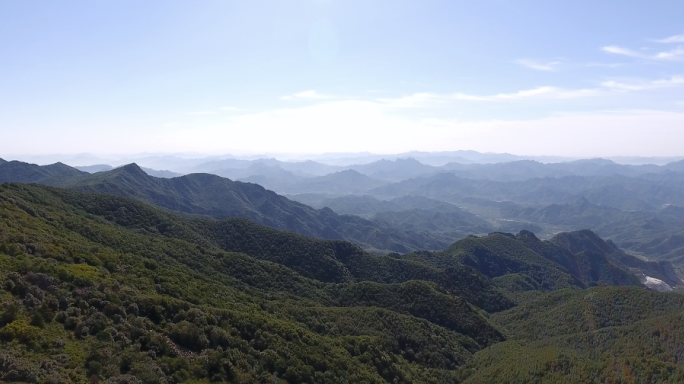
{"points": [[221, 198], [97, 287], [402, 205]]}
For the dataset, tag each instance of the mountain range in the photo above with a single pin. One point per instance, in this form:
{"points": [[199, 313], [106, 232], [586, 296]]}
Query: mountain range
{"points": [[102, 287], [639, 213], [210, 195], [399, 169]]}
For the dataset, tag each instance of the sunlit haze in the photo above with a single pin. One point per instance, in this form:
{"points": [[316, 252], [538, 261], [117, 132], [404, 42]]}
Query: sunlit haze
{"points": [[579, 79]]}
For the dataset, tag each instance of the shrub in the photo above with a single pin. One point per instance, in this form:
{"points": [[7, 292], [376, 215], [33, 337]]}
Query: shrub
{"points": [[21, 331], [189, 336]]}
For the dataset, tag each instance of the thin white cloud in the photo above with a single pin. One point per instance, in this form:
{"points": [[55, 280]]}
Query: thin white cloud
{"points": [[621, 51], [675, 54], [546, 93], [540, 94], [538, 66], [202, 113], [605, 65], [467, 97], [671, 39], [230, 109], [643, 85], [420, 100], [310, 94]]}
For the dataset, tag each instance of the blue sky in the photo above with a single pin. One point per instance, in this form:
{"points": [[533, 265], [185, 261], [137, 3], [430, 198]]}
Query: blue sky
{"points": [[581, 78]]}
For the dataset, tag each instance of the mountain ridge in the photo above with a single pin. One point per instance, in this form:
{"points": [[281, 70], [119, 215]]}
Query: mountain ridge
{"points": [[211, 195], [102, 287]]}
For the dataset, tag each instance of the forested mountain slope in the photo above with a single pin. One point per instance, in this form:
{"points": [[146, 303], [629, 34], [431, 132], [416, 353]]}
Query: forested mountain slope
{"points": [[609, 334], [210, 195], [54, 174], [639, 214], [100, 287], [113, 287], [585, 241], [204, 194]]}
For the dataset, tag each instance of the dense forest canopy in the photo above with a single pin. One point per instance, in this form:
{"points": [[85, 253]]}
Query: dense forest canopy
{"points": [[97, 287]]}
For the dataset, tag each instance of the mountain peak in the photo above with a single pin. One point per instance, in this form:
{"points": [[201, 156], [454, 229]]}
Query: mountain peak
{"points": [[131, 169], [349, 172], [596, 161], [582, 240], [582, 202], [408, 160], [527, 235], [59, 166]]}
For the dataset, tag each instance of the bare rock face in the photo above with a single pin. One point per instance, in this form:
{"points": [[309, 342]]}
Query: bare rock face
{"points": [[657, 284], [654, 284]]}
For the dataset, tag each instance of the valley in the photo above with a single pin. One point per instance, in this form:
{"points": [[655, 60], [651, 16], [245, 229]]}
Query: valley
{"points": [[425, 207], [341, 192], [121, 276]]}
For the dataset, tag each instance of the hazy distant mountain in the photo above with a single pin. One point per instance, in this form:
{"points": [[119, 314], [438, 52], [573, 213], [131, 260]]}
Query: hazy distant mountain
{"points": [[162, 174], [454, 225], [411, 213], [637, 160], [397, 170], [603, 167], [304, 168], [211, 195], [95, 168], [342, 182], [311, 167], [666, 247], [618, 196], [230, 164], [579, 214], [510, 171], [268, 173], [434, 158], [675, 166], [364, 206], [360, 205], [192, 162], [471, 165], [528, 169], [276, 180], [258, 169], [173, 163], [637, 191], [104, 168]]}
